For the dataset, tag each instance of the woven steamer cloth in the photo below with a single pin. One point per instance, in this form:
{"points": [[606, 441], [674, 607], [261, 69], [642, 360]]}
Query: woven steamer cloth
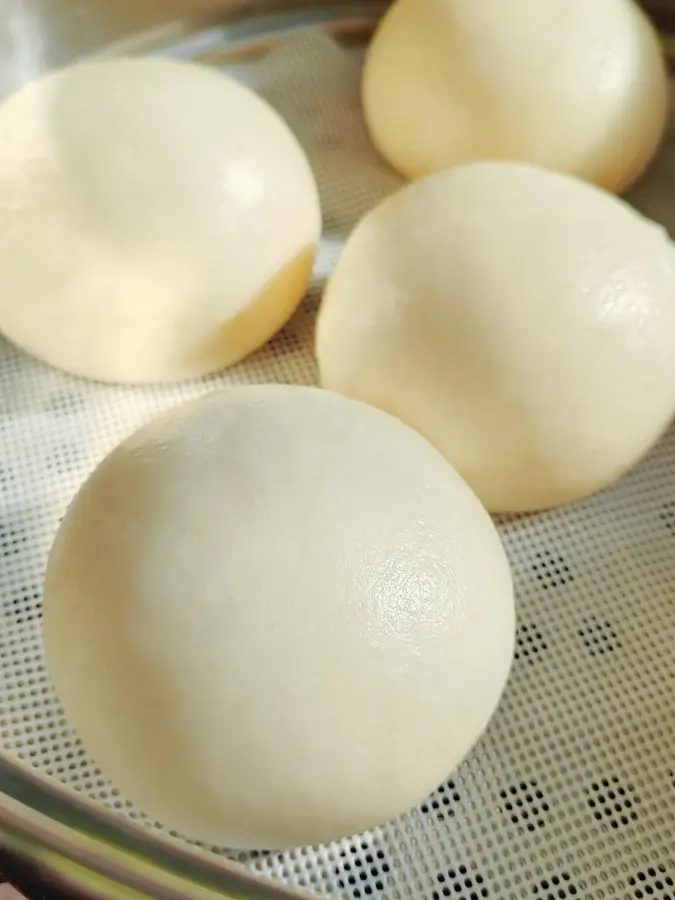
{"points": [[572, 791]]}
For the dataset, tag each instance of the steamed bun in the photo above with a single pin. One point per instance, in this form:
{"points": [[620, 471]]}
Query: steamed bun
{"points": [[276, 616], [158, 220], [573, 85], [521, 320]]}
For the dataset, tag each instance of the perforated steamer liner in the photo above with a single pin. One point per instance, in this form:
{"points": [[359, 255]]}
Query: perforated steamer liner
{"points": [[572, 791]]}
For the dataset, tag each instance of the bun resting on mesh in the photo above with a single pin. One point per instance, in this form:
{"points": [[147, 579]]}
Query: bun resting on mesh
{"points": [[276, 616], [570, 85], [158, 221], [521, 320]]}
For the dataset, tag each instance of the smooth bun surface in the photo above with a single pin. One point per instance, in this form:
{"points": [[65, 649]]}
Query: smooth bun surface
{"points": [[158, 221], [276, 616], [521, 320], [569, 85]]}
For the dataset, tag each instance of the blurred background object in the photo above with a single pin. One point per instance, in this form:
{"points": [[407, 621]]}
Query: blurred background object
{"points": [[662, 12], [36, 35]]}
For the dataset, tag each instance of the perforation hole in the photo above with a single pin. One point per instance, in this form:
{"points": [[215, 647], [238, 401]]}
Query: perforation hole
{"points": [[13, 538], [599, 636], [61, 460], [25, 605], [551, 570], [64, 403], [461, 883], [613, 802], [6, 476], [525, 805], [655, 881], [667, 516], [363, 871], [530, 643], [442, 802], [557, 887]]}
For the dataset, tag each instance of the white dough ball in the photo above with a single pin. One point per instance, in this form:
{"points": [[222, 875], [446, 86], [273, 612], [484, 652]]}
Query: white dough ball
{"points": [[276, 616], [158, 220], [573, 85], [521, 320]]}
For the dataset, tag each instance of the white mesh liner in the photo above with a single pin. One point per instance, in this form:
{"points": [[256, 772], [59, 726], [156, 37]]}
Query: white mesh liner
{"points": [[572, 791]]}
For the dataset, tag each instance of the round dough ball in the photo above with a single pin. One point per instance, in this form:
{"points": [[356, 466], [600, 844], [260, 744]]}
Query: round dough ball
{"points": [[158, 220], [573, 85], [521, 320], [277, 616]]}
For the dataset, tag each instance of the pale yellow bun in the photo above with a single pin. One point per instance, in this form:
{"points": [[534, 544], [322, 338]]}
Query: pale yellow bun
{"points": [[574, 85], [521, 320], [158, 221], [276, 616]]}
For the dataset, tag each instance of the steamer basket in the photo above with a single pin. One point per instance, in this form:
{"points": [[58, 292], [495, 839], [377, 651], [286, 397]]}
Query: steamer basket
{"points": [[571, 793]]}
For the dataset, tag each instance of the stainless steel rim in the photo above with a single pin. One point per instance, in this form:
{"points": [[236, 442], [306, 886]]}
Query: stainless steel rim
{"points": [[66, 843]]}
